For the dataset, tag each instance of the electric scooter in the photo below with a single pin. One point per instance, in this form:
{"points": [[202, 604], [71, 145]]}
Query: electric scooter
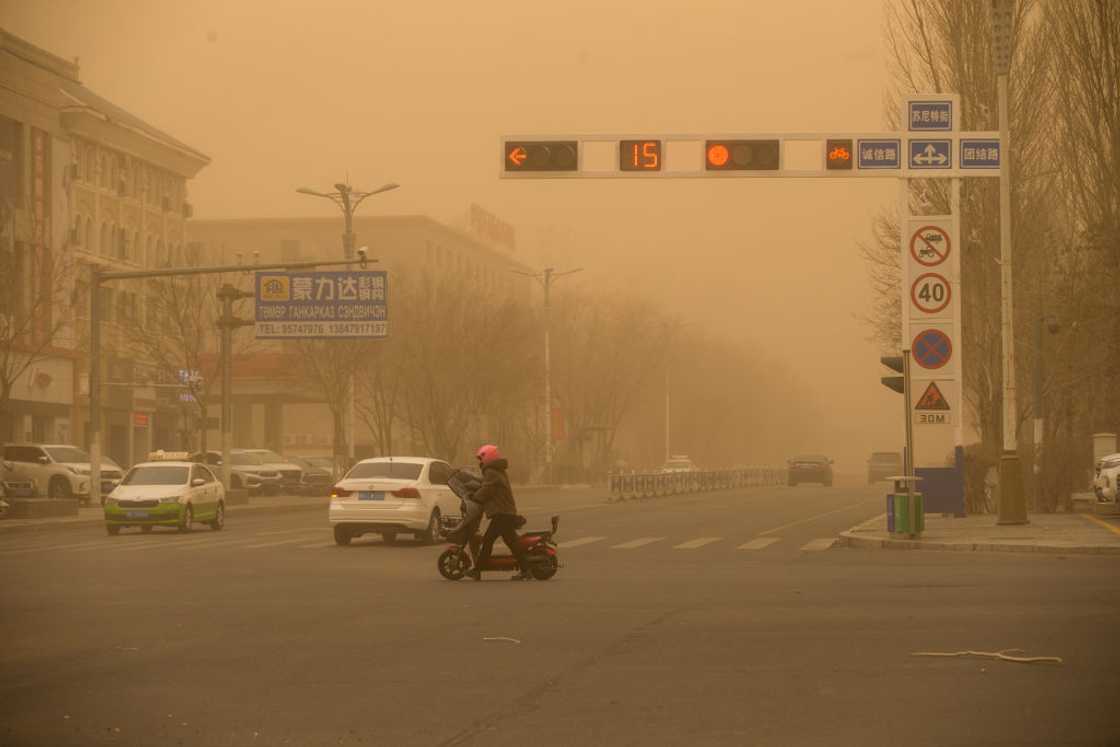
{"points": [[537, 548]]}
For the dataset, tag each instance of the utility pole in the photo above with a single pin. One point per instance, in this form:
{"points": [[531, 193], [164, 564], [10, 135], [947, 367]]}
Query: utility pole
{"points": [[96, 279], [348, 199], [1012, 503], [227, 294], [546, 278]]}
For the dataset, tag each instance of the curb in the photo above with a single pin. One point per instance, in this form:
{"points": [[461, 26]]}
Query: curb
{"points": [[849, 539], [50, 525]]}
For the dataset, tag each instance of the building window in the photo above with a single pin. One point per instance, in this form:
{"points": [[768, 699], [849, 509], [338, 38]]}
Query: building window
{"points": [[104, 245], [89, 239]]}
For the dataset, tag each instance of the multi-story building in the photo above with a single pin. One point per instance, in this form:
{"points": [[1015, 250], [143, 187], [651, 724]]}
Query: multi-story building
{"points": [[270, 410], [82, 182]]}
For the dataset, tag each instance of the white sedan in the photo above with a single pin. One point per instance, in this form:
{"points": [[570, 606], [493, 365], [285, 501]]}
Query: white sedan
{"points": [[390, 495]]}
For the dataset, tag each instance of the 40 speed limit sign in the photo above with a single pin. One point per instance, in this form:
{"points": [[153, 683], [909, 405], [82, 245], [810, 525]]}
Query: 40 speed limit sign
{"points": [[931, 293]]}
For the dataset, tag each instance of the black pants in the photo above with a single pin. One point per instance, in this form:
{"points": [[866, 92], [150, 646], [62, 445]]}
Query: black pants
{"points": [[504, 526]]}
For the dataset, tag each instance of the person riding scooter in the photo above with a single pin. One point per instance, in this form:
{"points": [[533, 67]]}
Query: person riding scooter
{"points": [[496, 497]]}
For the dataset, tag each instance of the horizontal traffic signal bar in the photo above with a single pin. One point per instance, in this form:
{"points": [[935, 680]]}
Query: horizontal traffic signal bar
{"points": [[903, 154]]}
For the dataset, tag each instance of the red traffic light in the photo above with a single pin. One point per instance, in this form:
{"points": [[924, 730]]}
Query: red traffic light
{"points": [[742, 155]]}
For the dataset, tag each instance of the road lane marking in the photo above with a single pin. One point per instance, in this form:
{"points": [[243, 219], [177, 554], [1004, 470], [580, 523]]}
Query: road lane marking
{"points": [[278, 543], [317, 545], [814, 517], [759, 544], [580, 541], [1110, 527], [819, 544], [640, 542], [58, 548], [698, 542]]}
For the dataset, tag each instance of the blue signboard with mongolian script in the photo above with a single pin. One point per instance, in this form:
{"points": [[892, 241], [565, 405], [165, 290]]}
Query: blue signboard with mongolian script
{"points": [[343, 304]]}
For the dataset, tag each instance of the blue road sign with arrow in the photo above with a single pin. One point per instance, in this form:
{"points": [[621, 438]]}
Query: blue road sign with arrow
{"points": [[931, 154]]}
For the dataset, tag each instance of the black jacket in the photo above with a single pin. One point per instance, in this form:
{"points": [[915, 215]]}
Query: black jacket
{"points": [[496, 495]]}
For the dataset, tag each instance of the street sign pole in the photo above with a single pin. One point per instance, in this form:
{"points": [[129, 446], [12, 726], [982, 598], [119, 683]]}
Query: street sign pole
{"points": [[908, 464]]}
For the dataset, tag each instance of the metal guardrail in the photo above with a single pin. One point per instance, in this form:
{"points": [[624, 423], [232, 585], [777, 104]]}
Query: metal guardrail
{"points": [[634, 485]]}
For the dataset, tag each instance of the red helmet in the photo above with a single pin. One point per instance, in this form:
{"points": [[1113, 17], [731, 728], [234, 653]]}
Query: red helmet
{"points": [[488, 453]]}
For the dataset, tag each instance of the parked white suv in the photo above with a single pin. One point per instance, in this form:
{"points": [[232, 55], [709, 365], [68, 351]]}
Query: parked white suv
{"points": [[57, 470], [1108, 473]]}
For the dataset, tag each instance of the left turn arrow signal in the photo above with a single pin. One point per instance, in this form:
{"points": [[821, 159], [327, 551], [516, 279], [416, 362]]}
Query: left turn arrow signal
{"points": [[518, 156]]}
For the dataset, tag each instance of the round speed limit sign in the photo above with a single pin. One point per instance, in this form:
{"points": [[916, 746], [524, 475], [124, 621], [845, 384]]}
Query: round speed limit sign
{"points": [[931, 293]]}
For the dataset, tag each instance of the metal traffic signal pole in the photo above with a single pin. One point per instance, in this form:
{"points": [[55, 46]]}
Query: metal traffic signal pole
{"points": [[96, 279], [908, 464], [227, 295]]}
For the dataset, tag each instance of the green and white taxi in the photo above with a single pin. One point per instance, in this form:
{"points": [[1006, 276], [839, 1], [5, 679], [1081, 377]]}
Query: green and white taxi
{"points": [[168, 494]]}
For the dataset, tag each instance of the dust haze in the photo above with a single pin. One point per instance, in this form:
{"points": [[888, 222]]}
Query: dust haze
{"points": [[282, 94]]}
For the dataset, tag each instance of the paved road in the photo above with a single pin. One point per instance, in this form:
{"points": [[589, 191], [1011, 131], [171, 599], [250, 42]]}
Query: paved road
{"points": [[724, 618]]}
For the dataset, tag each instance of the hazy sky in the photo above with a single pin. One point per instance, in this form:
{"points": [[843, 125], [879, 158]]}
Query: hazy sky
{"points": [[281, 94]]}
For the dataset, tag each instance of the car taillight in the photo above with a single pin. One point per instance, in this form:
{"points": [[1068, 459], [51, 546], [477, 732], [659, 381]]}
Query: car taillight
{"points": [[337, 492], [407, 493]]}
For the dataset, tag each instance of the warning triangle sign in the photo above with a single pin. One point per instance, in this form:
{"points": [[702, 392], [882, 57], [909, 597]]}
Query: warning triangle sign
{"points": [[932, 399]]}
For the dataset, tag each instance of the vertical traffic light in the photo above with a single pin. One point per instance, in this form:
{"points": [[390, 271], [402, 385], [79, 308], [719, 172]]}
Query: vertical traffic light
{"points": [[742, 155], [542, 155], [895, 363]]}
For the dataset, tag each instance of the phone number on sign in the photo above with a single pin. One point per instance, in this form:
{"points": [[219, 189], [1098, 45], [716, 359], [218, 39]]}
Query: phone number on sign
{"points": [[322, 329]]}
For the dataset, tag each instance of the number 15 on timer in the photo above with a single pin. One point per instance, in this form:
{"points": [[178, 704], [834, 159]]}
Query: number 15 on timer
{"points": [[639, 155]]}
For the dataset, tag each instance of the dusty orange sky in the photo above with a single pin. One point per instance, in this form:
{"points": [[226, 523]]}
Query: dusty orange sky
{"points": [[281, 94]]}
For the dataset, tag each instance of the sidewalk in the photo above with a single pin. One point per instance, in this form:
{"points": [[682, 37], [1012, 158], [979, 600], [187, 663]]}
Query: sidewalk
{"points": [[1047, 533], [93, 514]]}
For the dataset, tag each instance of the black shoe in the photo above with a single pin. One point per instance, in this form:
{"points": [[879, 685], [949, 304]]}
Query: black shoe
{"points": [[520, 577], [475, 574]]}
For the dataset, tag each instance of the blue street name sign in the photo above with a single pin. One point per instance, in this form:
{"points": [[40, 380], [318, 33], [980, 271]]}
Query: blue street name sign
{"points": [[931, 154], [880, 154], [322, 304], [930, 116], [980, 153]]}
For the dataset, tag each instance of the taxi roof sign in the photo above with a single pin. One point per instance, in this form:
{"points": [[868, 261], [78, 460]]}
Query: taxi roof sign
{"points": [[169, 456]]}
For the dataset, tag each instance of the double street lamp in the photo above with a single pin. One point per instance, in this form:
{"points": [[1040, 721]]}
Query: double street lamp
{"points": [[348, 199]]}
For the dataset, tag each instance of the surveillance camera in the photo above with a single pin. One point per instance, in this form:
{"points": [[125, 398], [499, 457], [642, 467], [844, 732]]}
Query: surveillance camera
{"points": [[362, 252]]}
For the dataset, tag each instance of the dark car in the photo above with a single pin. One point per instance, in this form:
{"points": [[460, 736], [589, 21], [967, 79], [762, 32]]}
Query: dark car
{"points": [[810, 468], [883, 464], [242, 476], [316, 480]]}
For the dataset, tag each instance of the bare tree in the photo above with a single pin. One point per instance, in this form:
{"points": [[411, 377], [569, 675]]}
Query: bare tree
{"points": [[36, 293]]}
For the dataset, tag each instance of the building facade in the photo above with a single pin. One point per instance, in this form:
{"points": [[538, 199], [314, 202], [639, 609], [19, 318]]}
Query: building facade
{"points": [[82, 183]]}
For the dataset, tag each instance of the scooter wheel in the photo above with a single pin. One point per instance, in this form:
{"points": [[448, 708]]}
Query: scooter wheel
{"points": [[453, 564], [544, 568]]}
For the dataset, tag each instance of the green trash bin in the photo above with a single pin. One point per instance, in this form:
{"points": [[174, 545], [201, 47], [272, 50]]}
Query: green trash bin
{"points": [[909, 514]]}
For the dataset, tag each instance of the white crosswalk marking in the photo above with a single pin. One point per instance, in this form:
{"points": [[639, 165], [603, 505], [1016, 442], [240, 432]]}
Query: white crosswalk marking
{"points": [[819, 544], [759, 544], [581, 541], [640, 542], [57, 548], [698, 542], [317, 545]]}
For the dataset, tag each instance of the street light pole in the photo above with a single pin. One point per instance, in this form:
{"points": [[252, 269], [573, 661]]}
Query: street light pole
{"points": [[348, 199], [547, 277], [1012, 504]]}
